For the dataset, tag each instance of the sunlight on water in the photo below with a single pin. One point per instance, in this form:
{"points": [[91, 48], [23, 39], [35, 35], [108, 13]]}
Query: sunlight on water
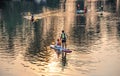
{"points": [[93, 37]]}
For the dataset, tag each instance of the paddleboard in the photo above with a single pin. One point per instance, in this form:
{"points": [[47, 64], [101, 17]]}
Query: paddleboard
{"points": [[59, 48]]}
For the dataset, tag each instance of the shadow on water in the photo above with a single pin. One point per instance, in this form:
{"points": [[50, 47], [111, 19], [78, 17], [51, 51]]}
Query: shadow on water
{"points": [[64, 62], [79, 30], [11, 18], [84, 34], [35, 43], [118, 28], [36, 50], [38, 47], [50, 33]]}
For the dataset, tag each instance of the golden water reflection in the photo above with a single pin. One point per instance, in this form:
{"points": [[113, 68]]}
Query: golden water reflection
{"points": [[94, 40]]}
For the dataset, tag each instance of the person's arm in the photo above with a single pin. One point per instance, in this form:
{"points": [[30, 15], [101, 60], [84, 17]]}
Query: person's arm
{"points": [[61, 37], [66, 35]]}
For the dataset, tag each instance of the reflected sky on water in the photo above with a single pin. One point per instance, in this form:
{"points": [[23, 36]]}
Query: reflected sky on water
{"points": [[93, 37]]}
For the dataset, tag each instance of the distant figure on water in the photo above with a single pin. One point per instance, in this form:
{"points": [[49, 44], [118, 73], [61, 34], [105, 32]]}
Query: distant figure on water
{"points": [[32, 18], [85, 10]]}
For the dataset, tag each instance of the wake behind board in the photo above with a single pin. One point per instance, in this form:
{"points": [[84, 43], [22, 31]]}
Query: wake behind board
{"points": [[60, 48]]}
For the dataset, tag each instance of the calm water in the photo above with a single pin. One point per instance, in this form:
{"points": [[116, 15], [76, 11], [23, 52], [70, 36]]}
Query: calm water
{"points": [[93, 37]]}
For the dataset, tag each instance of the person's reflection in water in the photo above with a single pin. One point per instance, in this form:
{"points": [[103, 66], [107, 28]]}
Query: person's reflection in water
{"points": [[64, 62], [98, 28]]}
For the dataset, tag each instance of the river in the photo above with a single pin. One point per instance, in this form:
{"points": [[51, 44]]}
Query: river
{"points": [[93, 37]]}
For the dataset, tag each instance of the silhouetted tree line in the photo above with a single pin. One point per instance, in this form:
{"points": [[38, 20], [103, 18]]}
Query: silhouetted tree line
{"points": [[48, 3]]}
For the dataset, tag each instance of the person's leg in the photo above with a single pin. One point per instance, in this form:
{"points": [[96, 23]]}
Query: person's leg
{"points": [[65, 45], [62, 47], [58, 54]]}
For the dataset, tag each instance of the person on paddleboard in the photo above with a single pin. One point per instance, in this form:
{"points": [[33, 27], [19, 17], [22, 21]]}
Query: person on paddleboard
{"points": [[58, 42], [58, 47], [32, 18], [63, 38]]}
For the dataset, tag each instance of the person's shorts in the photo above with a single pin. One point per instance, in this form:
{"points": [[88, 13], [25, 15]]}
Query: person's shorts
{"points": [[63, 41]]}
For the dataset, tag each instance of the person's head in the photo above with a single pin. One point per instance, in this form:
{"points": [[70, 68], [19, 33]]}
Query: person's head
{"points": [[58, 39], [62, 31]]}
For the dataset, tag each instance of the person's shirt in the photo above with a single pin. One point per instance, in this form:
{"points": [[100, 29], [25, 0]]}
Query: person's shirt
{"points": [[58, 43], [63, 36]]}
